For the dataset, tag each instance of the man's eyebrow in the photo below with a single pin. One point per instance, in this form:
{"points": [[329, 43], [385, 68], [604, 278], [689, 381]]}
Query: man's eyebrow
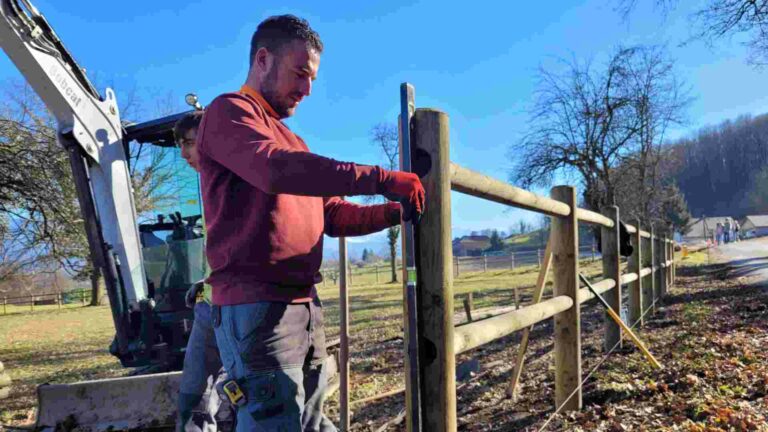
{"points": [[306, 70]]}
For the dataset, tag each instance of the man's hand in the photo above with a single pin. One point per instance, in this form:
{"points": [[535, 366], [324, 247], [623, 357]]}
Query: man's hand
{"points": [[191, 296], [405, 188]]}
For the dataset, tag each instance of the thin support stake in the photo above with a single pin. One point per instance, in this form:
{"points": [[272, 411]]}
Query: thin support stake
{"points": [[537, 294]]}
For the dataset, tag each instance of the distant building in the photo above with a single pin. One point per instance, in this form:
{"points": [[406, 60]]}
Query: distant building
{"points": [[754, 226], [703, 228], [471, 245]]}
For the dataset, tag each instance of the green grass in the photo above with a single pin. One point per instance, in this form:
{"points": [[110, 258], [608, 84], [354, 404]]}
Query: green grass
{"points": [[693, 259], [71, 344], [53, 346], [521, 239]]}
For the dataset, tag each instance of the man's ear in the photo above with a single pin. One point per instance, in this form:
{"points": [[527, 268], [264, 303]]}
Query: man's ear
{"points": [[263, 60]]}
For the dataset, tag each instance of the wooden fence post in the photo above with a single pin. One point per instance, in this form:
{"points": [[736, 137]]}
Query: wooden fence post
{"points": [[82, 295], [344, 337], [565, 250], [437, 360], [457, 266], [513, 260], [665, 273], [611, 270], [538, 257], [674, 262], [651, 290], [485, 264], [468, 306], [659, 275], [635, 264], [58, 299]]}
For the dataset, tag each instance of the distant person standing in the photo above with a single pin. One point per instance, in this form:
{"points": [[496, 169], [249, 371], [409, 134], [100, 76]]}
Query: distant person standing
{"points": [[736, 230], [718, 233], [727, 230]]}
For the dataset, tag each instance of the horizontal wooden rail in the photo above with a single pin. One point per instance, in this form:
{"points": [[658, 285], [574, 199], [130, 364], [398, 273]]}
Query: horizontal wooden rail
{"points": [[479, 185], [479, 333], [604, 285], [585, 215], [628, 277], [631, 229]]}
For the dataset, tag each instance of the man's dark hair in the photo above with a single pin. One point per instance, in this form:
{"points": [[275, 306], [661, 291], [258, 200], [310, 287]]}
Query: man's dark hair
{"points": [[188, 122], [276, 31]]}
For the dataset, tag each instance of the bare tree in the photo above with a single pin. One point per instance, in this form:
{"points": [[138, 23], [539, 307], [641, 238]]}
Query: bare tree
{"points": [[660, 102], [718, 19], [581, 125], [587, 122], [41, 229], [384, 136]]}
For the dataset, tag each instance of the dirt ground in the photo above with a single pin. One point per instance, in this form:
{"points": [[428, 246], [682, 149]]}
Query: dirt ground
{"points": [[709, 333]]}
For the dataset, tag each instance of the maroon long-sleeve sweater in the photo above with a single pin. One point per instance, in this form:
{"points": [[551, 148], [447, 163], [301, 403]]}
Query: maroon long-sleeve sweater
{"points": [[268, 201]]}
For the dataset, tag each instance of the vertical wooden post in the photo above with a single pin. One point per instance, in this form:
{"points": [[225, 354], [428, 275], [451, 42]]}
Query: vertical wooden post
{"points": [[513, 260], [82, 295], [58, 300], [517, 298], [565, 250], [635, 288], [468, 306], [344, 337], [437, 360], [659, 275], [652, 263], [457, 266], [663, 246], [485, 264], [674, 263], [538, 257], [611, 269]]}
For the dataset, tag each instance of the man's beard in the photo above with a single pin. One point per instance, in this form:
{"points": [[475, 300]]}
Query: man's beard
{"points": [[270, 95]]}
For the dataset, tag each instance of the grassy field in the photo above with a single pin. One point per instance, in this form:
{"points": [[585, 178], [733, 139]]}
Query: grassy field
{"points": [[67, 345]]}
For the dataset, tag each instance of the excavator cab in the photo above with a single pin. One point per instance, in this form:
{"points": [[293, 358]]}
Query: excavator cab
{"points": [[173, 253]]}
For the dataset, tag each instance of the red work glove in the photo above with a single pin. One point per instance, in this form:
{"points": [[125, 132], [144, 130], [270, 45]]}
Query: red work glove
{"points": [[405, 188]]}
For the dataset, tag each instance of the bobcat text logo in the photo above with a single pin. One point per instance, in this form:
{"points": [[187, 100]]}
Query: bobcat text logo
{"points": [[69, 90]]}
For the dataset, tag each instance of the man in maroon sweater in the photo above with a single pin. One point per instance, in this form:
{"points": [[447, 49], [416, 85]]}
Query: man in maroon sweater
{"points": [[268, 201]]}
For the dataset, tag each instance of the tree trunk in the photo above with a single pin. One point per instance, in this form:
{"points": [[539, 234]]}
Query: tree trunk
{"points": [[392, 235], [393, 260], [97, 287]]}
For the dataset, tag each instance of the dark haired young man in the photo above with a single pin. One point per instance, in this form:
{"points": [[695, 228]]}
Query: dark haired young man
{"points": [[268, 201], [201, 359]]}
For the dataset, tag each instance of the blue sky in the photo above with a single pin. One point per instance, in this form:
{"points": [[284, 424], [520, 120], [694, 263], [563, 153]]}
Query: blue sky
{"points": [[477, 62]]}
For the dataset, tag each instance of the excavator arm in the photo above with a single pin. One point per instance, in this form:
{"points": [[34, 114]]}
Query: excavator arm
{"points": [[89, 128]]}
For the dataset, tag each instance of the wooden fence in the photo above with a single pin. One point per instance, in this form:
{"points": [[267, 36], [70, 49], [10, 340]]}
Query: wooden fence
{"points": [[63, 298], [377, 274], [650, 273]]}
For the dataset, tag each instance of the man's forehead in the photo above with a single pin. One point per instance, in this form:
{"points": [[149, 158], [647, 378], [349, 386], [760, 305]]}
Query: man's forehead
{"points": [[301, 56]]}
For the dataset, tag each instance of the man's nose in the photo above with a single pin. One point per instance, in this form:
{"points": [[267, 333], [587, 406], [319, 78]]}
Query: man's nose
{"points": [[306, 87]]}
